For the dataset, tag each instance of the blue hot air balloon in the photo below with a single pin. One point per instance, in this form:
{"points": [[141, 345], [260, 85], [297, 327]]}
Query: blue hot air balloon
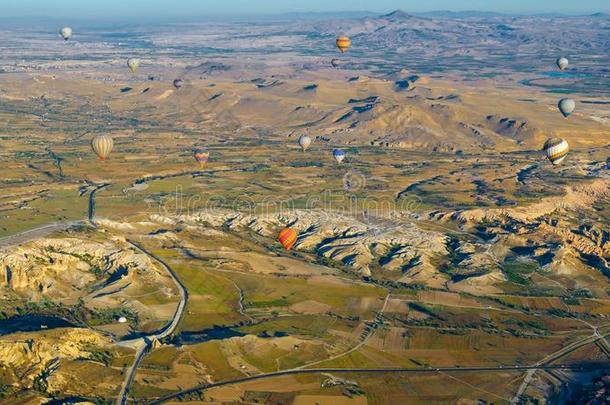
{"points": [[339, 155]]}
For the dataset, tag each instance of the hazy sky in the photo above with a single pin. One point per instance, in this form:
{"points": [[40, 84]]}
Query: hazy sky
{"points": [[193, 8]]}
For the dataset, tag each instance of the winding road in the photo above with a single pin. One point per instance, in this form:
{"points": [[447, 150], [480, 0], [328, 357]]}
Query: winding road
{"points": [[142, 345]]}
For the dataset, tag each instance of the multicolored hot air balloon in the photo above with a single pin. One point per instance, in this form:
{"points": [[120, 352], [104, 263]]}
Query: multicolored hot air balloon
{"points": [[102, 146], [287, 237], [343, 43], [66, 33], [201, 156], [556, 150], [305, 142], [562, 63], [133, 64], [339, 155], [567, 106], [178, 83]]}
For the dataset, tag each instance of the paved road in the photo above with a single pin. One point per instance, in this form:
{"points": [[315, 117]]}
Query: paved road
{"points": [[91, 213], [142, 345], [371, 371], [369, 334], [37, 233], [556, 356]]}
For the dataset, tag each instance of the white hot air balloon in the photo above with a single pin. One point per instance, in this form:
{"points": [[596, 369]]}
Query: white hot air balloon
{"points": [[66, 33], [562, 63], [102, 146], [556, 150], [567, 106], [122, 320], [178, 83], [304, 142]]}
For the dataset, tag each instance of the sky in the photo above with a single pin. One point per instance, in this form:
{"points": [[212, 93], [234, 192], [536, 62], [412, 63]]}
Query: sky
{"points": [[145, 9]]}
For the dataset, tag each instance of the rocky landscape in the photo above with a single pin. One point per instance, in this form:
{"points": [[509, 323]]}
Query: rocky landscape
{"points": [[443, 245]]}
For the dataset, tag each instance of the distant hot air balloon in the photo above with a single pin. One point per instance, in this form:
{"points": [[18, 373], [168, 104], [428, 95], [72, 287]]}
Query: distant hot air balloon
{"points": [[305, 142], [178, 83], [122, 320], [556, 150], [202, 156], [335, 63], [562, 63], [567, 106], [133, 64], [343, 43], [287, 238], [66, 33], [102, 146], [339, 155]]}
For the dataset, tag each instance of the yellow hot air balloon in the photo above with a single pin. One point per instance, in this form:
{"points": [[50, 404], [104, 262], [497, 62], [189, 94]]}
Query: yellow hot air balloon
{"points": [[133, 64], [287, 237], [102, 146], [343, 43]]}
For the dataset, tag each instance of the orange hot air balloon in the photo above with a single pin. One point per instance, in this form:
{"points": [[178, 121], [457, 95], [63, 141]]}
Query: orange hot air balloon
{"points": [[287, 238], [343, 43]]}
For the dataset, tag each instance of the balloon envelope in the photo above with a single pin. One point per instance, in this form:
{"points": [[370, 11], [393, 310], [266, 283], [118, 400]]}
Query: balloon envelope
{"points": [[563, 63], [133, 64], [343, 43], [201, 156], [66, 33], [339, 155], [178, 83], [102, 146], [122, 319], [305, 142], [567, 106], [287, 237], [556, 150]]}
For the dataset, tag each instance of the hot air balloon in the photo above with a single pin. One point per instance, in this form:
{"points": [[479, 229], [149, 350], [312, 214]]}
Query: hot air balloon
{"points": [[287, 238], [343, 43], [133, 64], [556, 150], [304, 141], [339, 155], [335, 63], [178, 83], [201, 156], [562, 63], [567, 106], [66, 33], [102, 146], [122, 320]]}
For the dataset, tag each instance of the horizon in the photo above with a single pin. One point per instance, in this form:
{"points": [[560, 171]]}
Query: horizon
{"points": [[159, 10]]}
